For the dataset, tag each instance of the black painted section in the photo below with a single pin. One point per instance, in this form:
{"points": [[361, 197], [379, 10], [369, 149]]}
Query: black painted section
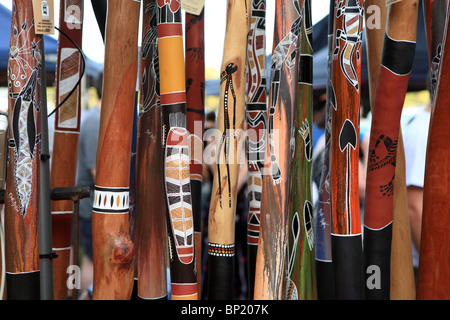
{"points": [[23, 286], [220, 277], [377, 254], [325, 280], [398, 56]]}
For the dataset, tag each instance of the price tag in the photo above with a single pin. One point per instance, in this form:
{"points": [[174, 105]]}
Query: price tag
{"points": [[44, 19], [193, 6], [389, 2]]}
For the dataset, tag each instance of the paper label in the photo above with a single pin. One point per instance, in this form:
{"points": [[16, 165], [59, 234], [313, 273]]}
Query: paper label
{"points": [[44, 19], [193, 6]]}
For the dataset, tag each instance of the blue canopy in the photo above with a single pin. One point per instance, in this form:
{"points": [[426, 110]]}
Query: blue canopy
{"points": [[93, 69]]}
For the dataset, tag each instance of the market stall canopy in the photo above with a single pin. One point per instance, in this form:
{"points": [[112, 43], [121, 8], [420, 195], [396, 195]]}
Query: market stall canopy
{"points": [[93, 69]]}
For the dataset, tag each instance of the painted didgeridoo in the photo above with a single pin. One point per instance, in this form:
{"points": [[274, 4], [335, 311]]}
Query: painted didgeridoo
{"points": [[402, 284], [434, 271], [3, 157], [346, 238], [176, 158], [396, 64], [323, 256], [22, 183], [256, 116], [270, 277], [300, 270], [112, 245], [65, 140], [231, 125], [195, 114], [151, 206]]}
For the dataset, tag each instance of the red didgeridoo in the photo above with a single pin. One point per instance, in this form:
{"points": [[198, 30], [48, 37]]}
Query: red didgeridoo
{"points": [[396, 64], [346, 238]]}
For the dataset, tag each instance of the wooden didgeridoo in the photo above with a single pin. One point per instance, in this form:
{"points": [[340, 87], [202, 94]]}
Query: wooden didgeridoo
{"points": [[180, 222], [195, 114], [346, 238], [270, 277], [402, 274], [396, 64], [301, 270], [231, 125], [112, 246], [434, 261], [22, 183], [435, 15], [322, 234], [256, 116], [151, 204], [65, 140]]}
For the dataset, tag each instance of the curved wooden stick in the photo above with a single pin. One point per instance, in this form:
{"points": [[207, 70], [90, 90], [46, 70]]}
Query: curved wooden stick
{"points": [[151, 214], [65, 140], [396, 65], [22, 184], [256, 115], [270, 282], [434, 271], [301, 277], [112, 246]]}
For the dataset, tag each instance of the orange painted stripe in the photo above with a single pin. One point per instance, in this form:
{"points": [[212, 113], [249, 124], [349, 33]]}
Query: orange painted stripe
{"points": [[171, 61]]}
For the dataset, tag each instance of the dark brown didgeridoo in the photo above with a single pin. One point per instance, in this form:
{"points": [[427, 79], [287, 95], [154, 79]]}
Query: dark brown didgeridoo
{"points": [[112, 246], [256, 116], [434, 271], [151, 231], [229, 145], [65, 140], [22, 182], [270, 282], [195, 114], [396, 64]]}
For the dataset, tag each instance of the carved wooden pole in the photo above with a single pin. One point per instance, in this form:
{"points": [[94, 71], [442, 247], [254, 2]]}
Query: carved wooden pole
{"points": [[22, 184], [112, 247], [270, 262], [151, 203], [396, 64], [65, 140], [256, 115]]}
